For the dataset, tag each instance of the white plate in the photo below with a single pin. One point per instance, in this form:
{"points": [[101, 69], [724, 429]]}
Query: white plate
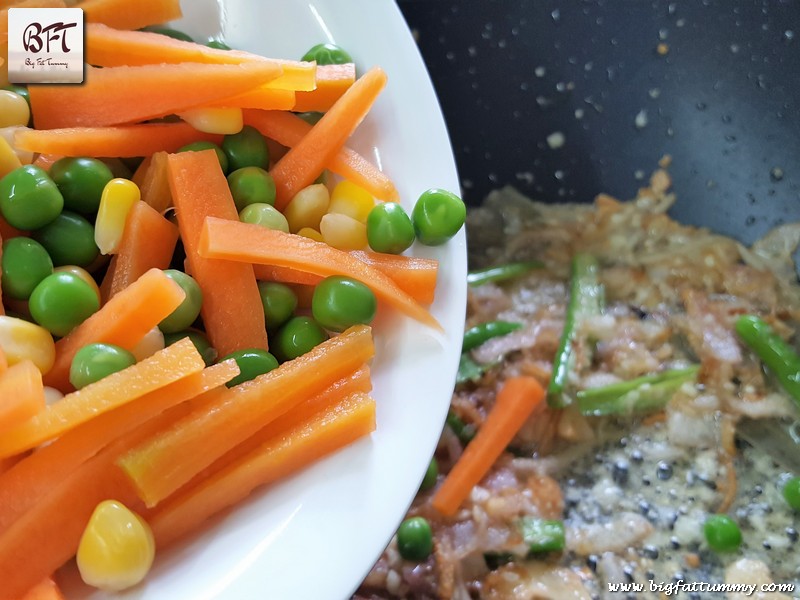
{"points": [[316, 536]]}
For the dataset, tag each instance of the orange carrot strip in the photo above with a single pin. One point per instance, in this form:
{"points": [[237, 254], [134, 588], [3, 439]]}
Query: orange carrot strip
{"points": [[306, 160], [124, 14], [232, 311], [120, 140], [148, 242], [123, 320], [332, 82], [173, 363], [7, 231], [108, 47], [285, 275], [262, 97], [43, 161], [155, 183], [514, 403], [47, 536], [46, 589], [288, 129], [237, 241], [163, 464], [119, 95], [284, 454], [29, 480], [21, 395]]}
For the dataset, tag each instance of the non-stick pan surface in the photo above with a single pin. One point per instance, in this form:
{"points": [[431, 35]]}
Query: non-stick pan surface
{"points": [[566, 99]]}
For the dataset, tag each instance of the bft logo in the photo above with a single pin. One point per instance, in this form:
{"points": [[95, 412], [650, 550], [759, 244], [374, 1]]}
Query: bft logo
{"points": [[45, 45]]}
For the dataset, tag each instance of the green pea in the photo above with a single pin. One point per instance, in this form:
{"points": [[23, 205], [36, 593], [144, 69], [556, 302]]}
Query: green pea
{"points": [[218, 45], [69, 239], [81, 182], [341, 302], [200, 341], [96, 361], [25, 263], [279, 301], [251, 185], [791, 493], [248, 148], [430, 475], [722, 533], [169, 32], [415, 539], [252, 363], [188, 310], [297, 336], [198, 146], [312, 118], [389, 228], [62, 301], [265, 215], [327, 54], [29, 199], [437, 216]]}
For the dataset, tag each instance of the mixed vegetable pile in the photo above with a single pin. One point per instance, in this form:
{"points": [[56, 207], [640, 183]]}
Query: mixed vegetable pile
{"points": [[192, 260]]}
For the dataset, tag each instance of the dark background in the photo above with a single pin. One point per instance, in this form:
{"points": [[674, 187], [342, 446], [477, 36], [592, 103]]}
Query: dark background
{"points": [[722, 100]]}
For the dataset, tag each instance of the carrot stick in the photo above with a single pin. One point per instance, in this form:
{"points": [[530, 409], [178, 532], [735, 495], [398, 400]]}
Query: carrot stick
{"points": [[262, 97], [119, 95], [155, 183], [120, 140], [21, 394], [284, 454], [46, 589], [45, 161], [47, 536], [148, 242], [514, 403], [288, 129], [109, 47], [306, 160], [123, 320], [30, 479], [173, 363], [124, 14], [163, 464], [415, 276], [232, 311], [7, 231], [245, 242], [332, 82]]}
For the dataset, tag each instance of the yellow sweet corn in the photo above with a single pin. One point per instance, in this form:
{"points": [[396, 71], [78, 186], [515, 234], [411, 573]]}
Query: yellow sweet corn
{"points": [[116, 549], [14, 110], [352, 200], [22, 340], [8, 158], [224, 121], [310, 233], [152, 342], [307, 207], [118, 198], [343, 232]]}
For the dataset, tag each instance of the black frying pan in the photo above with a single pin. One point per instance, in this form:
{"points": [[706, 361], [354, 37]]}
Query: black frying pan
{"points": [[722, 100]]}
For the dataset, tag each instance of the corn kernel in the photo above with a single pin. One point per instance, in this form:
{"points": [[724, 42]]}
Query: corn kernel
{"points": [[307, 207], [22, 340], [118, 198], [8, 133], [116, 549], [8, 158], [14, 110], [311, 234], [83, 274], [343, 232], [223, 121], [349, 199], [152, 342], [52, 395]]}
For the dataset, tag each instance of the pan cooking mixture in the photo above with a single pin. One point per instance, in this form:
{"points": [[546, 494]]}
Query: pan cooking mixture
{"points": [[669, 343]]}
